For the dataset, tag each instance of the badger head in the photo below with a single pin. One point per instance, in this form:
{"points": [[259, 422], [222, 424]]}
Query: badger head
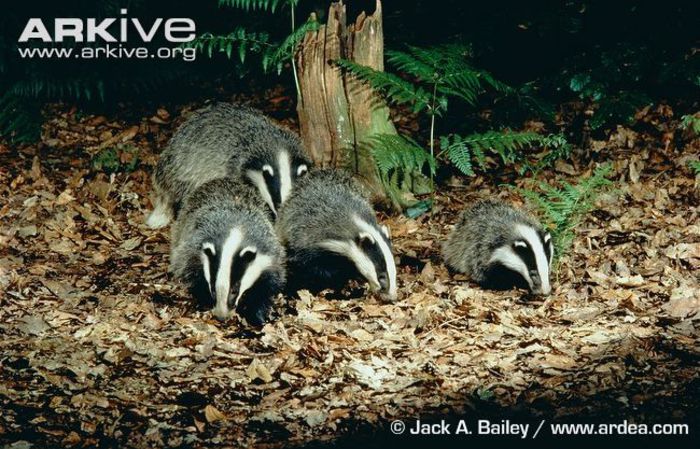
{"points": [[274, 177], [368, 247], [231, 267], [527, 252]]}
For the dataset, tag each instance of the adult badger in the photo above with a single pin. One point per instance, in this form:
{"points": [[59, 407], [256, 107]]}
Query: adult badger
{"points": [[224, 140], [226, 251], [500, 247], [331, 235]]}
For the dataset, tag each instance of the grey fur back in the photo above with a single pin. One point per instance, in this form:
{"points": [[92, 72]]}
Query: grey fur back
{"points": [[321, 208], [212, 210], [215, 142], [481, 229]]}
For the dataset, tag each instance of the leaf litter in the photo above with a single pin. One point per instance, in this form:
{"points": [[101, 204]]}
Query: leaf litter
{"points": [[99, 344]]}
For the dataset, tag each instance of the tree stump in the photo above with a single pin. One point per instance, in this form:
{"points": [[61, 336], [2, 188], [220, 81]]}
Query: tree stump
{"points": [[337, 113]]}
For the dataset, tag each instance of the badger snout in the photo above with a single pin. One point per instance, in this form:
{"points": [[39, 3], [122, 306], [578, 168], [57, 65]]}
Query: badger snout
{"points": [[383, 282]]}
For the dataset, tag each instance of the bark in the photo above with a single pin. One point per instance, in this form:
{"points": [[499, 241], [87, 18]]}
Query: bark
{"points": [[337, 114]]}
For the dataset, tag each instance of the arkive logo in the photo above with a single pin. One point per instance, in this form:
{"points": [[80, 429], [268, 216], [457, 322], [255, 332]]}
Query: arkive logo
{"points": [[112, 29]]}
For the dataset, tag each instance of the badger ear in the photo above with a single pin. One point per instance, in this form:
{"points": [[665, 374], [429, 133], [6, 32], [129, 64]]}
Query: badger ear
{"points": [[267, 168], [209, 249], [302, 169], [248, 253], [547, 238], [365, 238], [385, 231]]}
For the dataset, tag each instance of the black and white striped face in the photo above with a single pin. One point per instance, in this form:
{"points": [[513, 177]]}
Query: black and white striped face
{"points": [[530, 255], [369, 249], [231, 267], [275, 179]]}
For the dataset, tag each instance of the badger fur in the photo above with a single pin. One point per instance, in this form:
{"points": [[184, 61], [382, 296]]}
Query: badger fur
{"points": [[331, 236], [500, 247], [224, 140], [225, 250]]}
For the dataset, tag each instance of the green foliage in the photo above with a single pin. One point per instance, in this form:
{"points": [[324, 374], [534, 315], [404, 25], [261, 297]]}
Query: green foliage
{"points": [[239, 39], [117, 159], [563, 209], [395, 89], [273, 54], [613, 83], [692, 123], [397, 155], [243, 42], [261, 5], [19, 122], [438, 74], [695, 167], [506, 144]]}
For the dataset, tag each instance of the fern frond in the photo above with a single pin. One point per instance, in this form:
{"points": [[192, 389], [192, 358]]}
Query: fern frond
{"points": [[255, 5], [695, 167], [394, 89], [287, 48], [460, 150], [240, 39], [411, 65], [691, 122], [395, 153], [563, 209]]}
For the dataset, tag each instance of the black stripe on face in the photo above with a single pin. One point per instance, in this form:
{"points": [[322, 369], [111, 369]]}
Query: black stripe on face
{"points": [[274, 187], [238, 268], [213, 269], [526, 254], [374, 253], [548, 247]]}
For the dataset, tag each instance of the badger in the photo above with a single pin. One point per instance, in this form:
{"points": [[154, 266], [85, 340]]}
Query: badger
{"points": [[224, 140], [500, 247], [224, 248], [331, 236]]}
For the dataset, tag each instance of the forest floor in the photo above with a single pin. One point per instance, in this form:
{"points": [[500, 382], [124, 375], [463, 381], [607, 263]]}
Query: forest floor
{"points": [[99, 347]]}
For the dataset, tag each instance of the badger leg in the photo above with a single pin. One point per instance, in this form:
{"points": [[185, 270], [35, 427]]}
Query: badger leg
{"points": [[162, 212]]}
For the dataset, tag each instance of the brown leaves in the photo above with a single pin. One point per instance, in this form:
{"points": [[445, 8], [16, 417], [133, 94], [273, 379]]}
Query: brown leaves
{"points": [[94, 328]]}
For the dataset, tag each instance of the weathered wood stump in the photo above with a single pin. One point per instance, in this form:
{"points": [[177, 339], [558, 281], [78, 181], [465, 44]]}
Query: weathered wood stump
{"points": [[337, 113]]}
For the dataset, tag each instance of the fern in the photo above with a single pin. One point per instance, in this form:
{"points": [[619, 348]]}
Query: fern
{"points": [[256, 5], [695, 167], [287, 48], [563, 209], [394, 88], [506, 144], [397, 154], [20, 119], [691, 122], [240, 39]]}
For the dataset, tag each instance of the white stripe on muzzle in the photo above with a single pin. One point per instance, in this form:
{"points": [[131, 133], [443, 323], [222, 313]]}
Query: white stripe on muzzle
{"points": [[386, 253], [223, 275], [533, 239], [284, 168]]}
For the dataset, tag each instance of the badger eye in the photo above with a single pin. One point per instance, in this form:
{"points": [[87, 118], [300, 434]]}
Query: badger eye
{"points": [[268, 172], [519, 244], [365, 240]]}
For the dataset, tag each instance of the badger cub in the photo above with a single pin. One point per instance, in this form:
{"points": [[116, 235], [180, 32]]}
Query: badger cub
{"points": [[224, 140], [331, 235], [500, 247], [226, 251]]}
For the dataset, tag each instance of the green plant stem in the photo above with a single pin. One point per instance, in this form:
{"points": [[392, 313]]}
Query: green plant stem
{"points": [[300, 99], [432, 138]]}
